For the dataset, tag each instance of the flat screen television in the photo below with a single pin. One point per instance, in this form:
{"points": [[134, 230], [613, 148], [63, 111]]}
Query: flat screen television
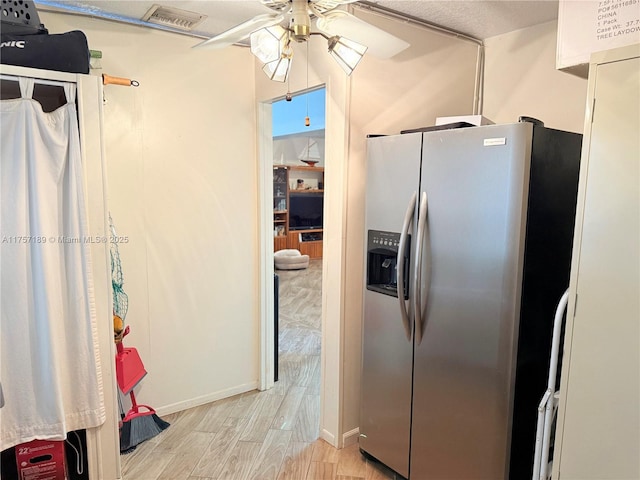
{"points": [[305, 211]]}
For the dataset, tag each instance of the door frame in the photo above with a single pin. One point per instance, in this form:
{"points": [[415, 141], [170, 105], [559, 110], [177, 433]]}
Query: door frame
{"points": [[265, 221], [333, 257]]}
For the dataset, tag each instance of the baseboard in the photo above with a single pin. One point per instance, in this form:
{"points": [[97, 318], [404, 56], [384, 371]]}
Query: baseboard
{"points": [[350, 437], [204, 399], [328, 437]]}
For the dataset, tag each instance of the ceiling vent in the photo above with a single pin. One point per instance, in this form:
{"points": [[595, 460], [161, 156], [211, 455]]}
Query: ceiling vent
{"points": [[173, 17]]}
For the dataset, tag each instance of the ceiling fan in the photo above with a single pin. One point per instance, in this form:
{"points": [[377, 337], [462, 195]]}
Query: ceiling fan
{"points": [[271, 34]]}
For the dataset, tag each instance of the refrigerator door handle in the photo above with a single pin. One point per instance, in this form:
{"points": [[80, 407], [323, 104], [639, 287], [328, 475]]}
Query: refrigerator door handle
{"points": [[422, 228], [402, 248]]}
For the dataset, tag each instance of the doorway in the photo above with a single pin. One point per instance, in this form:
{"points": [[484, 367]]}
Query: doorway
{"points": [[334, 245], [284, 142], [298, 133]]}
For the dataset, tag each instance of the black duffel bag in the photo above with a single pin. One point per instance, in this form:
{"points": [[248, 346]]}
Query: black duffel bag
{"points": [[64, 52]]}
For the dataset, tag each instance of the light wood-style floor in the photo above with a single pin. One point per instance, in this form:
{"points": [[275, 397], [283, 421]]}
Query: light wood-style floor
{"points": [[271, 435]]}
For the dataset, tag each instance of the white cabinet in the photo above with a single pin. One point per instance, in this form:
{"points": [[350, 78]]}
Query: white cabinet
{"points": [[598, 434]]}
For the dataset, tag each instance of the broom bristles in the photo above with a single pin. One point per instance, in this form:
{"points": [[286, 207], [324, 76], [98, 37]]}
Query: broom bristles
{"points": [[139, 429]]}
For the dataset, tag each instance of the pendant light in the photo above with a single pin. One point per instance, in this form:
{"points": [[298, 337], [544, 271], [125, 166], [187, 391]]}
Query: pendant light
{"points": [[268, 43], [346, 52], [278, 69], [272, 46]]}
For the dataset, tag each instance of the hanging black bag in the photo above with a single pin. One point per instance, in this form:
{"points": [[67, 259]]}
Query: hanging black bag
{"points": [[65, 52]]}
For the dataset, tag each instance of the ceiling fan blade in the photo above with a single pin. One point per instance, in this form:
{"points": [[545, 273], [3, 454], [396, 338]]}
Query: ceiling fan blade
{"points": [[324, 6], [380, 44], [277, 5], [241, 31]]}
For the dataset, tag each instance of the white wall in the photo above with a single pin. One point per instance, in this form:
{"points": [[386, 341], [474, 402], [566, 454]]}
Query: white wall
{"points": [[521, 79], [182, 175], [287, 148]]}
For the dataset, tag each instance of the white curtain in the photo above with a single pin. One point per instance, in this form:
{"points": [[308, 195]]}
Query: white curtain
{"points": [[50, 370]]}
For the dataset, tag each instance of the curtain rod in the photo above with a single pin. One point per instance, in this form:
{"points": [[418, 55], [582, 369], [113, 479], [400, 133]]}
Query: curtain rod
{"points": [[53, 83], [388, 12]]}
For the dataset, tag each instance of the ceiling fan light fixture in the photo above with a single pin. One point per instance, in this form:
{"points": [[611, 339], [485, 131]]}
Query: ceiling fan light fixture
{"points": [[278, 70], [300, 21], [301, 32], [346, 52], [268, 43]]}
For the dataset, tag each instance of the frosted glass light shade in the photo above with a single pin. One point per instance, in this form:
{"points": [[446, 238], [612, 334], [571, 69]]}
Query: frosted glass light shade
{"points": [[380, 44], [267, 43], [346, 52], [278, 70]]}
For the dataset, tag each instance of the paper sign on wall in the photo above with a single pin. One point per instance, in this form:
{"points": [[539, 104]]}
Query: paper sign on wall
{"points": [[586, 27]]}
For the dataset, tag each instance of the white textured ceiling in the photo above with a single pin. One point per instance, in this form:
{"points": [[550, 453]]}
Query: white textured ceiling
{"points": [[477, 18]]}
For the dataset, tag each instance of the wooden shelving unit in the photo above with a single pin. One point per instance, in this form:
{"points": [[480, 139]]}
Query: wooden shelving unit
{"points": [[314, 173], [280, 207], [309, 242]]}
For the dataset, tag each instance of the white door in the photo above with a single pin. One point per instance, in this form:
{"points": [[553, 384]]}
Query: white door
{"points": [[599, 422]]}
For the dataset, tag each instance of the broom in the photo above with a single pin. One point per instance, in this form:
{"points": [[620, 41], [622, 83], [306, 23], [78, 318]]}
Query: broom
{"points": [[138, 426]]}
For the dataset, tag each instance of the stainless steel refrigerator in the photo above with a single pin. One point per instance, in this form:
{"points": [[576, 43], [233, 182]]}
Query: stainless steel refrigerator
{"points": [[473, 226]]}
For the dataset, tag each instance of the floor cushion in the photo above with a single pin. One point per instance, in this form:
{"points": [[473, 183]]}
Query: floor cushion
{"points": [[290, 259]]}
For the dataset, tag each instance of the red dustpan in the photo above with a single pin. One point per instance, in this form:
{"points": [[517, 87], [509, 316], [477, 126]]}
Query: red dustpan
{"points": [[129, 367]]}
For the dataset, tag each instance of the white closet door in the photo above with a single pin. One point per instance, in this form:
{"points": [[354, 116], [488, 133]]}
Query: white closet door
{"points": [[599, 423]]}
